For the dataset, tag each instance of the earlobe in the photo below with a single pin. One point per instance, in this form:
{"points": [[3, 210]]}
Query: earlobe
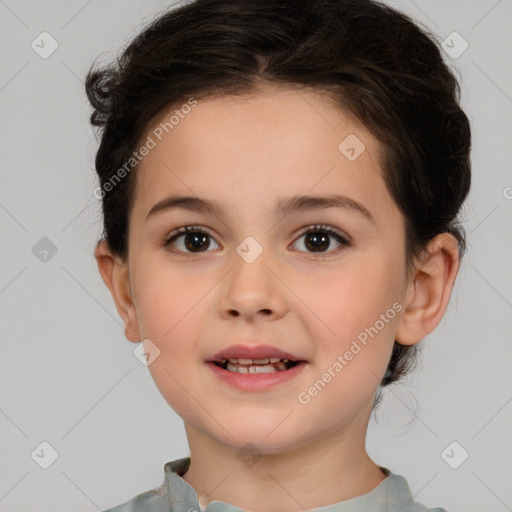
{"points": [[429, 290], [114, 272]]}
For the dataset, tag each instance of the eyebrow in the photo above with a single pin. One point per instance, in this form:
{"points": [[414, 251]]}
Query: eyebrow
{"points": [[284, 206]]}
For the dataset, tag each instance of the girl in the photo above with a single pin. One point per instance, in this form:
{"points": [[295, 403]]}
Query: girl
{"points": [[280, 183]]}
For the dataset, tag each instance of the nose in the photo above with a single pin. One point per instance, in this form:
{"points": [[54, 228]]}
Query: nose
{"points": [[253, 290]]}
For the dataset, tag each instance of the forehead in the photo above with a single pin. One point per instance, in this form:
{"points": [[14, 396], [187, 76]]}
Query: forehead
{"points": [[255, 147]]}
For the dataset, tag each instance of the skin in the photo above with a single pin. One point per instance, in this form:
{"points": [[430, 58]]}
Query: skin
{"points": [[247, 152]]}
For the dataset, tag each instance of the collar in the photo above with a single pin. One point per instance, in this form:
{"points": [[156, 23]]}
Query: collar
{"points": [[392, 494]]}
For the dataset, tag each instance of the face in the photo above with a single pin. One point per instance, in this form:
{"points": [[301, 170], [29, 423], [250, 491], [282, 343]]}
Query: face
{"points": [[249, 275]]}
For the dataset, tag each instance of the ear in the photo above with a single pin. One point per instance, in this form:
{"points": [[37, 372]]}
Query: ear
{"points": [[429, 290], [114, 272]]}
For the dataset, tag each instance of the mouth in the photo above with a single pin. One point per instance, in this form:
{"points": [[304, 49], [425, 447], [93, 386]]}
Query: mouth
{"points": [[255, 368], [263, 365]]}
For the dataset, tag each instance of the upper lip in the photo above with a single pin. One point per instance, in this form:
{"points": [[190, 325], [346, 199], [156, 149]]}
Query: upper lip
{"points": [[252, 352]]}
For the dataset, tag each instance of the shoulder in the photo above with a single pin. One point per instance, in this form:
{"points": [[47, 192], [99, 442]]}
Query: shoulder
{"points": [[418, 507], [400, 496], [150, 501], [414, 506], [171, 495]]}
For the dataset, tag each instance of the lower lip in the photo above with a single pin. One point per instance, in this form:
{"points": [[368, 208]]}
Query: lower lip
{"points": [[256, 381]]}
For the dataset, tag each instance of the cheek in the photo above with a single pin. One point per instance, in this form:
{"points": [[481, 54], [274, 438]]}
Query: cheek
{"points": [[359, 293], [166, 300], [360, 309], [169, 312], [170, 305]]}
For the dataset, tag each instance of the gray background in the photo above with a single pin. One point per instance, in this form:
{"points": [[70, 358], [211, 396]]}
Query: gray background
{"points": [[69, 377]]}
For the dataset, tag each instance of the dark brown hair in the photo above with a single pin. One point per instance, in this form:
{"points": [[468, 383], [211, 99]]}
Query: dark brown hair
{"points": [[374, 62]]}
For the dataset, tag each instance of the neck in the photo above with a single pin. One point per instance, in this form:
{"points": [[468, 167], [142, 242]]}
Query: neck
{"points": [[332, 469]]}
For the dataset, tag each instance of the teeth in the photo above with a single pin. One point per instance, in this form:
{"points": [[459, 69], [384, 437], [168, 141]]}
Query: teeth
{"points": [[247, 365], [251, 369], [266, 360]]}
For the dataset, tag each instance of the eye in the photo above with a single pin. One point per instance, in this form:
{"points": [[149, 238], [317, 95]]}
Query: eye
{"points": [[195, 239], [317, 238]]}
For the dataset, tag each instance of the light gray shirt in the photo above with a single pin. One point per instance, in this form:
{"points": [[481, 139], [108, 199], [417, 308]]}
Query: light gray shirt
{"points": [[176, 495]]}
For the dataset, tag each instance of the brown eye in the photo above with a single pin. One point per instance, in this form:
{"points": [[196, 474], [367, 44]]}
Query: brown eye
{"points": [[317, 239], [190, 240]]}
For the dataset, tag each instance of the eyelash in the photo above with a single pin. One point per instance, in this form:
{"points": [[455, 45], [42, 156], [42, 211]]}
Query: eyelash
{"points": [[176, 234]]}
